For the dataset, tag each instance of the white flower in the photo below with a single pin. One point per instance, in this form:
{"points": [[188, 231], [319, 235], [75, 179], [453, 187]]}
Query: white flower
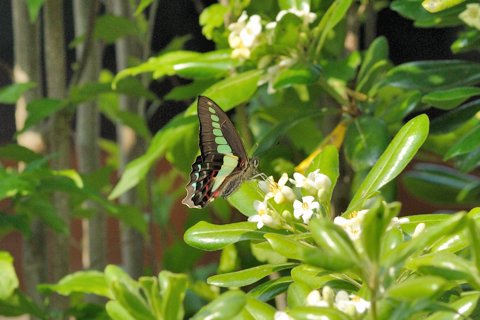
{"points": [[351, 305], [273, 71], [278, 191], [305, 209], [314, 298], [418, 229], [263, 216], [243, 35], [353, 225], [396, 222], [304, 14], [471, 15], [281, 315], [315, 183]]}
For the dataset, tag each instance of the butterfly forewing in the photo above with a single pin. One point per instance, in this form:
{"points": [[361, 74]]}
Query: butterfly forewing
{"points": [[223, 160]]}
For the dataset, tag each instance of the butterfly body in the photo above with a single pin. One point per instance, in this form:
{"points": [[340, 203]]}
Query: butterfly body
{"points": [[223, 163]]}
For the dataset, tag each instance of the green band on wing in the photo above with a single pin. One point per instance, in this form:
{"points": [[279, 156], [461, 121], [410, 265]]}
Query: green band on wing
{"points": [[220, 140], [211, 110], [216, 125], [230, 162], [218, 132], [214, 118]]}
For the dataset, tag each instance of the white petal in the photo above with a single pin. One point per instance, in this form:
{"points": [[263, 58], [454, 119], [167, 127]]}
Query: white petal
{"points": [[308, 199], [283, 179]]}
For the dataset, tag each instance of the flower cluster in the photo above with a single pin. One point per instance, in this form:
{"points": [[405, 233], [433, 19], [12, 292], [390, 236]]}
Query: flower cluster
{"points": [[471, 15], [350, 304], [304, 196], [246, 35]]}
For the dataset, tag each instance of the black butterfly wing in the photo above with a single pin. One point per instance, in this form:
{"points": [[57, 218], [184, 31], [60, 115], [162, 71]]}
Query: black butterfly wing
{"points": [[218, 170]]}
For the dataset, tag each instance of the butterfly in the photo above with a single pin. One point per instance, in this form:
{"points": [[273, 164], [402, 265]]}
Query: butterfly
{"points": [[223, 164]]}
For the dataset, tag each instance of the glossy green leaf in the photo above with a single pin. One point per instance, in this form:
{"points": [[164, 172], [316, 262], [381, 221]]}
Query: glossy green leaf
{"points": [[451, 98], [469, 161], [466, 41], [225, 307], [298, 74], [377, 51], [212, 64], [315, 278], [270, 289], [399, 108], [455, 118], [264, 252], [189, 91], [88, 282], [117, 312], [288, 246], [426, 287], [8, 280], [335, 13], [460, 308], [440, 184], [365, 140], [173, 288], [247, 276], [427, 76], [136, 170], [428, 237], [40, 109], [11, 93], [212, 17], [446, 265], [244, 197], [327, 163], [439, 5], [17, 152], [468, 143], [422, 18], [474, 231], [290, 4], [259, 309], [395, 158], [316, 313], [287, 30], [297, 294], [109, 28], [209, 236], [232, 91], [144, 4], [334, 243]]}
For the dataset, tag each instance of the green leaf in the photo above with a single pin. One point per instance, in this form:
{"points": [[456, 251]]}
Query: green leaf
{"points": [[231, 91], [427, 76], [468, 143], [292, 4], [439, 184], [211, 237], [244, 197], [395, 158], [466, 41], [259, 309], [336, 247], [287, 30], [88, 282], [460, 308], [327, 163], [225, 307], [248, 276], [138, 168], [377, 51], [40, 109], [365, 140], [439, 5], [427, 238], [11, 93], [473, 228], [316, 313], [144, 4], [298, 74], [446, 265], [173, 288], [109, 28], [314, 278], [427, 287], [117, 312], [399, 108], [189, 91], [16, 152], [214, 64], [34, 7], [8, 280], [455, 118], [270, 289], [451, 98], [211, 18], [335, 13], [422, 18], [288, 246]]}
